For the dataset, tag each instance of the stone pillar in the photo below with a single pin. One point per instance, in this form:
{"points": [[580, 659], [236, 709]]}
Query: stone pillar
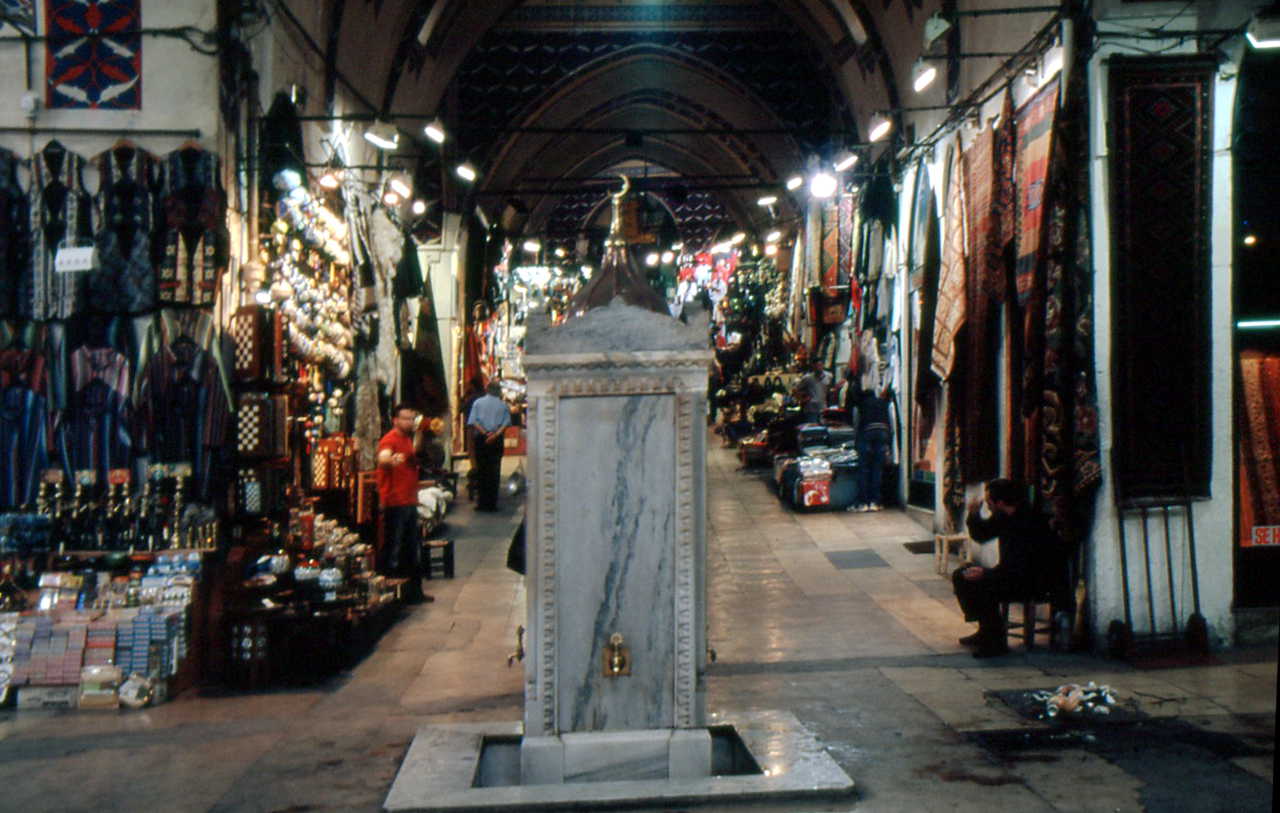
{"points": [[616, 540]]}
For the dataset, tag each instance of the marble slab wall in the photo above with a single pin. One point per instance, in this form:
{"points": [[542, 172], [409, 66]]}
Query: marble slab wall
{"points": [[615, 563], [616, 540]]}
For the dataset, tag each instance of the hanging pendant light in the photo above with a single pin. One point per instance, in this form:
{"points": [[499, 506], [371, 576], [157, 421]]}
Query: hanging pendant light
{"points": [[923, 72]]}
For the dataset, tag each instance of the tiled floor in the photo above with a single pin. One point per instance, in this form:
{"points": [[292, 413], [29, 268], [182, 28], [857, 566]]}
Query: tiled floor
{"points": [[825, 615]]}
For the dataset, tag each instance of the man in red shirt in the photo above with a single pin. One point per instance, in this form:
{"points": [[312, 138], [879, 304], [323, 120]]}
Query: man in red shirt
{"points": [[397, 477]]}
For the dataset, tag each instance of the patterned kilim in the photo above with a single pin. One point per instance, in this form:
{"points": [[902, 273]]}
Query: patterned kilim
{"points": [[949, 315], [1035, 131], [1259, 480], [1160, 168], [1062, 423], [829, 258], [978, 361], [93, 56], [848, 222]]}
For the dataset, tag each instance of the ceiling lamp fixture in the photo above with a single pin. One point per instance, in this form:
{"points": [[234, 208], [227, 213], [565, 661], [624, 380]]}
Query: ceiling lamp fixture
{"points": [[333, 175], [532, 246], [737, 238], [467, 172], [935, 27], [845, 159], [668, 256], [770, 249], [383, 135], [560, 252], [399, 184], [651, 259], [923, 72], [823, 185], [880, 127], [767, 200], [419, 207], [435, 130], [773, 236], [794, 183], [1263, 31]]}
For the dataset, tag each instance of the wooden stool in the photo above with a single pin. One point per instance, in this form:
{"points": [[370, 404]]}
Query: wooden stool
{"points": [[438, 559], [943, 546], [1029, 626]]}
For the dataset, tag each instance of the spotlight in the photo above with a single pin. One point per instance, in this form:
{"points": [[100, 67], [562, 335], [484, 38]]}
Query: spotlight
{"points": [[935, 27], [880, 127], [767, 200], [560, 252], [332, 178], [922, 74], [677, 246], [435, 130], [532, 246], [419, 207], [770, 249], [794, 183], [391, 199], [845, 159], [1251, 239], [400, 186], [823, 185], [383, 135], [737, 238], [668, 256], [651, 259], [773, 237], [467, 171]]}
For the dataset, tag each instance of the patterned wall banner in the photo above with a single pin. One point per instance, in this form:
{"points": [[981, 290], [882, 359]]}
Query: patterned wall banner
{"points": [[1161, 113], [1035, 131], [93, 56], [829, 248], [949, 315]]}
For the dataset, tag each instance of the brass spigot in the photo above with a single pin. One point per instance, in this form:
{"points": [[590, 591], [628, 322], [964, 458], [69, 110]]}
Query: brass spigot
{"points": [[617, 658]]}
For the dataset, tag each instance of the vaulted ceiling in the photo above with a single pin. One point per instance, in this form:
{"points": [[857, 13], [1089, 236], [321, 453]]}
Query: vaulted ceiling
{"points": [[704, 102]]}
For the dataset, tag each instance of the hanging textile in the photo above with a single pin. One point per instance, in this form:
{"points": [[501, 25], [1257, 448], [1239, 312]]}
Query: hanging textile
{"points": [[196, 241], [93, 57], [61, 213], [94, 431], [15, 237], [1034, 123], [980, 352], [1065, 422], [950, 311], [1161, 168], [183, 411], [829, 248], [129, 202], [1259, 474], [24, 418], [848, 210]]}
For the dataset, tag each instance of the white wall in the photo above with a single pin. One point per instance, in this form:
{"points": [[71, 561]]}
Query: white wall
{"points": [[179, 89]]}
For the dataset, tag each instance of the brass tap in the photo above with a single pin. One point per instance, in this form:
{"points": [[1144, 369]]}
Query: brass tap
{"points": [[617, 658]]}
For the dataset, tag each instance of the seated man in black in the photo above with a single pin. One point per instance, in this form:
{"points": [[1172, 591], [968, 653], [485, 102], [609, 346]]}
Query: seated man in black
{"points": [[1032, 562]]}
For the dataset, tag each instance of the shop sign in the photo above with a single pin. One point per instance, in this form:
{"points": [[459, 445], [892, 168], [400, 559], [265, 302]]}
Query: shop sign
{"points": [[1263, 536]]}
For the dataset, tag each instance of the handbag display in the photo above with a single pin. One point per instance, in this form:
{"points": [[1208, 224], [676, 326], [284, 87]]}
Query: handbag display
{"points": [[260, 489], [257, 334], [262, 422]]}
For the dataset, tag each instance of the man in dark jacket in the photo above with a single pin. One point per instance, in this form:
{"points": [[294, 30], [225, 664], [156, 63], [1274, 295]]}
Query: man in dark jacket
{"points": [[1033, 561]]}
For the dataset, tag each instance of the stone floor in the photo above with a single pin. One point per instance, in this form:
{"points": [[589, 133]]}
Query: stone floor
{"points": [[826, 615]]}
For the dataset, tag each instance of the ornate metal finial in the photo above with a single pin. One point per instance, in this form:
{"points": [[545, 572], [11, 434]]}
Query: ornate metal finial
{"points": [[615, 228]]}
